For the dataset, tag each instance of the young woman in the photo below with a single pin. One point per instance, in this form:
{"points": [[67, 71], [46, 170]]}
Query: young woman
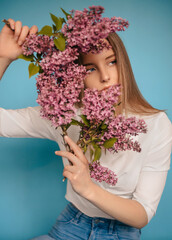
{"points": [[97, 210]]}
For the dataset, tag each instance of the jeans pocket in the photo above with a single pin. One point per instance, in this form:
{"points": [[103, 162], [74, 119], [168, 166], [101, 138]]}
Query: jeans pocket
{"points": [[66, 216], [64, 228]]}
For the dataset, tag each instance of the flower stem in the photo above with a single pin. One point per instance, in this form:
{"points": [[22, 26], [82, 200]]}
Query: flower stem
{"points": [[64, 130]]}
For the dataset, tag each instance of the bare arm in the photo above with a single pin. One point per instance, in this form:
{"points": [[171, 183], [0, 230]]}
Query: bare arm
{"points": [[127, 211], [4, 63], [11, 42]]}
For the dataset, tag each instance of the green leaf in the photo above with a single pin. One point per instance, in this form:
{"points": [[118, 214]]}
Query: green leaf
{"points": [[60, 43], [54, 28], [103, 126], [33, 69], [85, 148], [94, 145], [59, 24], [66, 14], [97, 154], [67, 126], [54, 18], [75, 122], [63, 20], [58, 21], [91, 153], [40, 69], [109, 143], [46, 30], [26, 58], [97, 139], [85, 120]]}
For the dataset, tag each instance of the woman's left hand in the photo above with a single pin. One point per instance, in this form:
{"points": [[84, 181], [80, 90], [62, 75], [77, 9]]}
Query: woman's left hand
{"points": [[78, 173]]}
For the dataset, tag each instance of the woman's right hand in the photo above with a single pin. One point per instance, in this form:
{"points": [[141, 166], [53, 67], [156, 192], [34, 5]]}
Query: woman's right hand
{"points": [[11, 41]]}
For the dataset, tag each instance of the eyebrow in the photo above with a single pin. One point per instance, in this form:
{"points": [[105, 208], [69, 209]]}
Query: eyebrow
{"points": [[88, 64]]}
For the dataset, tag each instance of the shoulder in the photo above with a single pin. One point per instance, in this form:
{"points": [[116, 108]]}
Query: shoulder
{"points": [[159, 141], [159, 130], [159, 134], [159, 122]]}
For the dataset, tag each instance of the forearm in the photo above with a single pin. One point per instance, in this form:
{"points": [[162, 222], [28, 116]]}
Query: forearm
{"points": [[4, 63], [125, 210]]}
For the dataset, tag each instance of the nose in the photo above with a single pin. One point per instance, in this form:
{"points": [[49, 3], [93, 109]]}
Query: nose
{"points": [[104, 75]]}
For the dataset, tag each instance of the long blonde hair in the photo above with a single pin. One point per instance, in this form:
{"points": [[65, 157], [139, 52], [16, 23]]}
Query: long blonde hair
{"points": [[131, 99]]}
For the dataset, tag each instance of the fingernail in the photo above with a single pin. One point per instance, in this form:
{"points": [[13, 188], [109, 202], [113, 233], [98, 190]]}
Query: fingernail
{"points": [[16, 37]]}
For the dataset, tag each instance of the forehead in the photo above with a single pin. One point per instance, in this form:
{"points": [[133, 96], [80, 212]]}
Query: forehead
{"points": [[92, 57]]}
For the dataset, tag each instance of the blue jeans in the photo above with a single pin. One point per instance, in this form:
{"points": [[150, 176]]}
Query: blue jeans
{"points": [[74, 225]]}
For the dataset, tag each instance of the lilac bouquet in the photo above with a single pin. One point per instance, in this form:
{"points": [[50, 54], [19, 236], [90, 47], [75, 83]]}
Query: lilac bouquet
{"points": [[53, 54], [101, 129]]}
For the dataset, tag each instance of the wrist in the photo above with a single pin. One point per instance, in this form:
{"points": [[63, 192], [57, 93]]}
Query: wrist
{"points": [[5, 61], [90, 191]]}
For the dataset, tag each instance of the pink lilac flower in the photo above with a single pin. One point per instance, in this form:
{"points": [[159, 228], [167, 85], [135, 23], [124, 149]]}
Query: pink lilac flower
{"points": [[100, 105], [100, 173], [123, 128], [61, 77], [57, 60], [87, 28], [58, 94], [37, 43]]}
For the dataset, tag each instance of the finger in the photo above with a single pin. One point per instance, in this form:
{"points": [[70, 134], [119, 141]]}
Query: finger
{"points": [[71, 157], [70, 168], [12, 23], [6, 28], [33, 29], [77, 150], [23, 35], [18, 28], [68, 175]]}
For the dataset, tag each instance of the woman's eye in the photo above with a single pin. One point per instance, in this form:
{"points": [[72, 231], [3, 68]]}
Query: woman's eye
{"points": [[90, 70], [113, 62]]}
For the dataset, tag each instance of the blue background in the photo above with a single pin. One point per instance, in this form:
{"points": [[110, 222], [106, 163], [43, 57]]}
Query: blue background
{"points": [[31, 188]]}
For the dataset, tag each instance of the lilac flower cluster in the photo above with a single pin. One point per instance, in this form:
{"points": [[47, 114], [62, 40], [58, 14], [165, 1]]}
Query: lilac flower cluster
{"points": [[100, 174], [39, 44], [100, 105], [59, 92], [87, 28], [123, 128], [53, 64], [60, 80], [60, 83]]}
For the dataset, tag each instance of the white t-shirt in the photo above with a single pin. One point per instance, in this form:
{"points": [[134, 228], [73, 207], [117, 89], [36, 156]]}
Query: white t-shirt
{"points": [[141, 176]]}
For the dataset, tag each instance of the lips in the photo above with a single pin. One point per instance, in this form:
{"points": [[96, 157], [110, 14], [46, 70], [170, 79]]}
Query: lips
{"points": [[105, 88]]}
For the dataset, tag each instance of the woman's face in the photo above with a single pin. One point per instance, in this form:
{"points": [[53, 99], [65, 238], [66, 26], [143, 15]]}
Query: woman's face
{"points": [[101, 68]]}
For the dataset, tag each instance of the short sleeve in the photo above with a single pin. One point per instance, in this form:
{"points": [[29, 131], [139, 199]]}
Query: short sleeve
{"points": [[160, 143], [26, 123], [153, 174], [149, 190]]}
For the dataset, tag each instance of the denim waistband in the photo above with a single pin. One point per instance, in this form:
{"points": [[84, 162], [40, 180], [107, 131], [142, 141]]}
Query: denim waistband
{"points": [[72, 224], [105, 222]]}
